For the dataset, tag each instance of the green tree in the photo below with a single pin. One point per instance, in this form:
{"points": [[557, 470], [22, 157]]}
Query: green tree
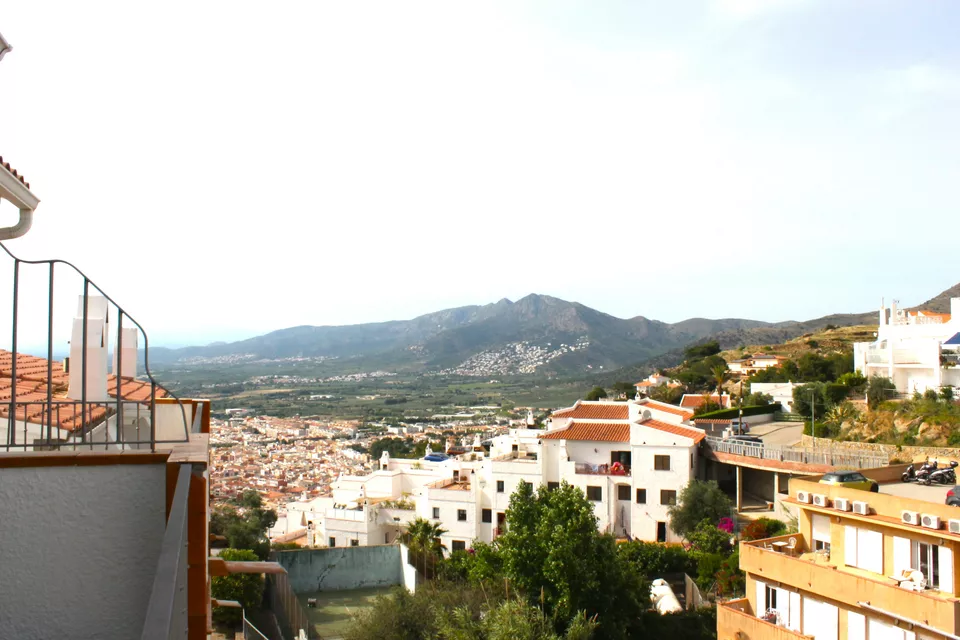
{"points": [[245, 588], [699, 351], [245, 528], [697, 502], [553, 554], [624, 389], [757, 400], [595, 394], [707, 538], [666, 393], [652, 560], [719, 375], [879, 389]]}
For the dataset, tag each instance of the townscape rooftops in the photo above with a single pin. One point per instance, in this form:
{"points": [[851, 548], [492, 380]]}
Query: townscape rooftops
{"points": [[33, 383], [944, 317], [592, 431], [584, 410], [694, 434]]}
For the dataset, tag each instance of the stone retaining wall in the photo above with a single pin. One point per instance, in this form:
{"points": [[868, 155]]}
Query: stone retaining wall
{"points": [[907, 454]]}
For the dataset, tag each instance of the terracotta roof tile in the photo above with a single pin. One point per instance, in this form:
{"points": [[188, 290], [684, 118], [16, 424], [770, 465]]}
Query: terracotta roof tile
{"points": [[6, 165], [669, 408], [593, 431], [694, 400], [595, 411], [694, 434]]}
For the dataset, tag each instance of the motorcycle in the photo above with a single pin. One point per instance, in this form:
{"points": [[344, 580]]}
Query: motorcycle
{"points": [[945, 475], [908, 474], [924, 472]]}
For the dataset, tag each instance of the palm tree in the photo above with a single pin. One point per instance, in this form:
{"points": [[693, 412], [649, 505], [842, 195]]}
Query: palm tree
{"points": [[719, 374], [423, 535]]}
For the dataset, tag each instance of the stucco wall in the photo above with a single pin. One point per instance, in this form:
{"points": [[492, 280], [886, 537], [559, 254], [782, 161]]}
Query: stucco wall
{"points": [[342, 568], [892, 450], [80, 549]]}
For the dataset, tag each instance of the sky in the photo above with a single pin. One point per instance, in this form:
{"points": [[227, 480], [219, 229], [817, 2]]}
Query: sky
{"points": [[223, 169]]}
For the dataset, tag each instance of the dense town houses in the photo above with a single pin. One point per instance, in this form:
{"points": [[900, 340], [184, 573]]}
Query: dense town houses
{"points": [[918, 350], [631, 459]]}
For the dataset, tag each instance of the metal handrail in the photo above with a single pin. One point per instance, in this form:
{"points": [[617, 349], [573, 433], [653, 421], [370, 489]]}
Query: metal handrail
{"points": [[167, 610], [119, 401], [833, 456]]}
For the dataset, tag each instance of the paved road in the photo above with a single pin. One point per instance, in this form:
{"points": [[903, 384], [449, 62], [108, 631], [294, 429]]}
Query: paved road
{"points": [[785, 434], [933, 493]]}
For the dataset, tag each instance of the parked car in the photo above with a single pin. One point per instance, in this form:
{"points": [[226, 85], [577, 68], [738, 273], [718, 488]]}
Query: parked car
{"points": [[851, 479], [436, 457], [739, 427], [746, 440], [953, 497]]}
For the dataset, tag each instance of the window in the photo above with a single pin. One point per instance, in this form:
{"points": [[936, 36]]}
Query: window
{"points": [[863, 548], [661, 463], [595, 494], [436, 513], [641, 496], [499, 486], [458, 545], [933, 561], [770, 601], [668, 496], [354, 543], [553, 485], [331, 542], [623, 492], [821, 533], [486, 515], [461, 515]]}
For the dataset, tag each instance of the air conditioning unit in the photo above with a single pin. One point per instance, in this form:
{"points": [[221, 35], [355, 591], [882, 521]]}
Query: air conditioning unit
{"points": [[861, 508], [803, 496], [820, 500], [930, 521], [841, 504], [910, 517], [953, 526]]}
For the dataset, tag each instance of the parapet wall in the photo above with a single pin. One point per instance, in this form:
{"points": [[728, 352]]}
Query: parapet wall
{"points": [[906, 454], [342, 568]]}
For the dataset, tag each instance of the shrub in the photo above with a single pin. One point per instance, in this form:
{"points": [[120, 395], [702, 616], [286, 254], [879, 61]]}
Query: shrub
{"points": [[245, 588]]}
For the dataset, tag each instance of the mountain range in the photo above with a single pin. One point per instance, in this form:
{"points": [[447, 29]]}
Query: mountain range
{"points": [[536, 333]]}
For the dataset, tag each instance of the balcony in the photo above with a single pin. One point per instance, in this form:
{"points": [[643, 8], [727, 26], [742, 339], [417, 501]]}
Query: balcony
{"points": [[817, 573], [736, 621], [585, 468]]}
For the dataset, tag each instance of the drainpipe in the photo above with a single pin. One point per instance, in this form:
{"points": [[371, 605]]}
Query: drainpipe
{"points": [[19, 229]]}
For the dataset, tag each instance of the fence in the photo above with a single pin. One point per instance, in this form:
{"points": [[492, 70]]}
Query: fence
{"points": [[287, 608], [250, 632], [834, 457]]}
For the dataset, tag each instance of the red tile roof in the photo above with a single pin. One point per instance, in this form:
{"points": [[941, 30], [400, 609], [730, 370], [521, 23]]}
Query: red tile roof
{"points": [[6, 165], [32, 387], [583, 410], [594, 431], [669, 408], [694, 400], [694, 434]]}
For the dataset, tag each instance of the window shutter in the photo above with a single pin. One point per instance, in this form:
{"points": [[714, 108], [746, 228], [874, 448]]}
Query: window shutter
{"points": [[901, 554], [821, 528], [794, 623], [850, 546], [856, 626], [761, 598], [870, 550], [946, 569]]}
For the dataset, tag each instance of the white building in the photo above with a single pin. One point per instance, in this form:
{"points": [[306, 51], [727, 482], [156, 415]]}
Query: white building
{"points": [[918, 350], [631, 459], [781, 392]]}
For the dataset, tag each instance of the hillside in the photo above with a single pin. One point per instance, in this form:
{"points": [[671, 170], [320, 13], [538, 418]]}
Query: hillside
{"points": [[536, 334]]}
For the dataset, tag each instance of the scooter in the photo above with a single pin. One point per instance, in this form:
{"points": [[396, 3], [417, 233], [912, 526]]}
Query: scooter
{"points": [[908, 474], [946, 475], [924, 472]]}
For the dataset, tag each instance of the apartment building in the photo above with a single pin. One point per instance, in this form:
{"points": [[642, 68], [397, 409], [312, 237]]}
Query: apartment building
{"points": [[864, 566], [918, 350], [631, 459]]}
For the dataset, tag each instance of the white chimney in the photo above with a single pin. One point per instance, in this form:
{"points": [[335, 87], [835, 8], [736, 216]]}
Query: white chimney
{"points": [[128, 353], [98, 347]]}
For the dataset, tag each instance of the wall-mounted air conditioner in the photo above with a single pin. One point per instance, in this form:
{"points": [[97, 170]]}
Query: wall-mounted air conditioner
{"points": [[803, 496], [910, 517], [930, 521], [953, 526], [820, 500], [861, 508], [841, 504]]}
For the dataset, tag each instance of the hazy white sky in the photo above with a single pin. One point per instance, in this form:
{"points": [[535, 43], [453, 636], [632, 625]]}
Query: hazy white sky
{"points": [[228, 168]]}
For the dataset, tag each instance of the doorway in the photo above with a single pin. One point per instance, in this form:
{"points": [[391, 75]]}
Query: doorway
{"points": [[661, 532]]}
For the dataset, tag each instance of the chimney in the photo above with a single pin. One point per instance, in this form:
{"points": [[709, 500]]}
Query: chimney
{"points": [[98, 346], [128, 354]]}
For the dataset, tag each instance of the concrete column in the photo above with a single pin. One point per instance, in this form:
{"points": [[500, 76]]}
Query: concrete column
{"points": [[739, 488], [776, 487]]}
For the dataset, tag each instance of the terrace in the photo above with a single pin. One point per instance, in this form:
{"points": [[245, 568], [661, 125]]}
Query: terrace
{"points": [[737, 621]]}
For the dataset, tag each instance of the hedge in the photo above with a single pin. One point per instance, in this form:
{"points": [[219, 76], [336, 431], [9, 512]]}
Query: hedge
{"points": [[755, 410]]}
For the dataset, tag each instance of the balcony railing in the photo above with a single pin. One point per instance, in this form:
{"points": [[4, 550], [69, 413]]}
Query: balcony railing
{"points": [[832, 456], [735, 619], [600, 469], [39, 416], [167, 610]]}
